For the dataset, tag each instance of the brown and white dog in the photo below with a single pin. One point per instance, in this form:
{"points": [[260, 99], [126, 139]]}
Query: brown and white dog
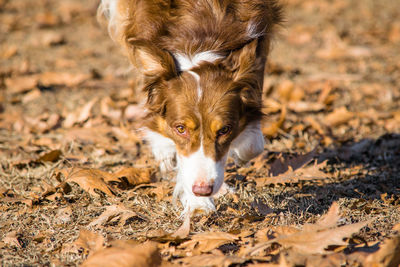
{"points": [[202, 66]]}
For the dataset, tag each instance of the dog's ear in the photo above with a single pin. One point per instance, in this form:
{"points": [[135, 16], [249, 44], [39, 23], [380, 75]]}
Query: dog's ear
{"points": [[247, 62], [151, 61], [157, 67], [247, 67]]}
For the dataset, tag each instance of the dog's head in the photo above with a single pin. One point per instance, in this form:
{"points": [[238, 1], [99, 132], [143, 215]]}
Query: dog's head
{"points": [[202, 103]]}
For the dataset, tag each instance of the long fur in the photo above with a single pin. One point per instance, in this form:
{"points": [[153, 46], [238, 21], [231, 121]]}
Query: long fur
{"points": [[202, 66]]}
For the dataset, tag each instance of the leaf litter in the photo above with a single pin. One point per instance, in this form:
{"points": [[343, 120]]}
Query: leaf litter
{"points": [[79, 186]]}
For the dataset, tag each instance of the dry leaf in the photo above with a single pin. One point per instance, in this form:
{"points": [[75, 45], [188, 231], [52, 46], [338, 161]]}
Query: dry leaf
{"points": [[89, 241], [211, 260], [272, 129], [284, 163], [207, 241], [184, 230], [338, 116], [134, 112], [11, 239], [91, 135], [64, 215], [62, 78], [285, 90], [21, 84], [387, 255], [30, 96], [90, 179], [135, 176], [126, 255], [261, 207], [303, 106], [8, 51], [312, 172], [314, 239], [51, 38], [80, 115], [51, 156], [112, 213], [108, 109], [47, 19]]}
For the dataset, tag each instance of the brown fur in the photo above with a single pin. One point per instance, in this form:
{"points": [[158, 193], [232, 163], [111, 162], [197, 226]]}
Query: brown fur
{"points": [[156, 29]]}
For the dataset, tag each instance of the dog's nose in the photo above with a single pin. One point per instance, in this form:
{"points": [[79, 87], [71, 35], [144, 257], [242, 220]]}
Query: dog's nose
{"points": [[202, 189]]}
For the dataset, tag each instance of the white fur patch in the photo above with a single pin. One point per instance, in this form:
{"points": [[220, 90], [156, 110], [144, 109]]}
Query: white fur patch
{"points": [[199, 89], [198, 168], [163, 149], [248, 144], [188, 62]]}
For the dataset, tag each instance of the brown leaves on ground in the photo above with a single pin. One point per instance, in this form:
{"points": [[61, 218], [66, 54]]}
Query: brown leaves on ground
{"points": [[91, 180], [312, 172], [205, 242], [89, 241], [291, 169], [126, 254], [113, 213], [313, 238]]}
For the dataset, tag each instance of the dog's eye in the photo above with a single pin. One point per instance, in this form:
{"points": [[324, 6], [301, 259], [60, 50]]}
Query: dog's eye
{"points": [[224, 130], [180, 129]]}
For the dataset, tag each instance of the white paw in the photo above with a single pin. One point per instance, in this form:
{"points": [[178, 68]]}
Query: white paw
{"points": [[191, 203]]}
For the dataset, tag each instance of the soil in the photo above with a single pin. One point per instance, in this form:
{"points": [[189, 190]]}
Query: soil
{"points": [[68, 100]]}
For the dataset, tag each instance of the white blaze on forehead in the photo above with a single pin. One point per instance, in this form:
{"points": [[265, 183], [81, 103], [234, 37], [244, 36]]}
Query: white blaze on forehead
{"points": [[187, 62], [197, 78]]}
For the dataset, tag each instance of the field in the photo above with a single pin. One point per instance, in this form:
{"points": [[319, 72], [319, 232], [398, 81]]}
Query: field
{"points": [[79, 186]]}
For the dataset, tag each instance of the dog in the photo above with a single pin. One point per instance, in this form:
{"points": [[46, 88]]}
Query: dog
{"points": [[201, 64]]}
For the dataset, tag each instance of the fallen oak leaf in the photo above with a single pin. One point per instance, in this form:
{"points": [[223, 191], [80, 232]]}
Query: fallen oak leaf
{"points": [[207, 241], [283, 163], [134, 176], [338, 116], [90, 179], [312, 172], [272, 129], [211, 260], [89, 241], [21, 84], [51, 156], [114, 212], [48, 79], [80, 115], [184, 230], [388, 254], [314, 239], [126, 254], [178, 236]]}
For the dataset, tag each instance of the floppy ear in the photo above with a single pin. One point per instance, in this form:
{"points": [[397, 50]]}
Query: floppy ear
{"points": [[247, 67], [247, 63], [157, 66], [151, 60]]}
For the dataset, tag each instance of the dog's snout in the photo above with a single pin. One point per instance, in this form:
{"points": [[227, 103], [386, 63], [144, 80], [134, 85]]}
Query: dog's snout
{"points": [[202, 189]]}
